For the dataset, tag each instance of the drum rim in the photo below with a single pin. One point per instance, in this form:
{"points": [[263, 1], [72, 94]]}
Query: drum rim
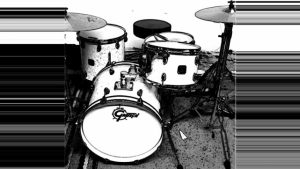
{"points": [[97, 41], [120, 159], [190, 35], [173, 51], [170, 87]]}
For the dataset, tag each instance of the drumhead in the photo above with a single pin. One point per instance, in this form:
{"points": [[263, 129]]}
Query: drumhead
{"points": [[109, 31], [120, 138], [174, 36]]}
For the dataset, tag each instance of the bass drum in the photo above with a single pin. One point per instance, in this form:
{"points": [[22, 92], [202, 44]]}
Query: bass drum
{"points": [[100, 47], [122, 122], [172, 36]]}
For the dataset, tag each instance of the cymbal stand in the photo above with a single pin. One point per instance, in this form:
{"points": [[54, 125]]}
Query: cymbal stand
{"points": [[220, 106], [221, 64]]}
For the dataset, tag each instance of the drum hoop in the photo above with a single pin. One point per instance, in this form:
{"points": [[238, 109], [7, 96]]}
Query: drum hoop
{"points": [[122, 63], [185, 52], [192, 42], [170, 87], [156, 145], [103, 42]]}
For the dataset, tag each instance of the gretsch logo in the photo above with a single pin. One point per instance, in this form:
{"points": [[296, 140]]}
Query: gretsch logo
{"points": [[121, 114]]}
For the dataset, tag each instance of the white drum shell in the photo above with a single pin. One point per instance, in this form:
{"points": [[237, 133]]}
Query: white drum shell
{"points": [[89, 51], [127, 140], [104, 79], [171, 67]]}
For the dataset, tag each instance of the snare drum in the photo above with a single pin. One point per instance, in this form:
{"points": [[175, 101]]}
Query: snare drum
{"points": [[170, 63], [173, 36], [122, 123], [101, 47]]}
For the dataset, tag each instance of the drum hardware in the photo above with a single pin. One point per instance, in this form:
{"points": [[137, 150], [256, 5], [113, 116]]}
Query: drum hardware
{"points": [[140, 100], [111, 71], [160, 36], [196, 77], [167, 127], [126, 79], [228, 18], [103, 99], [98, 47], [163, 78], [109, 59], [221, 64]]}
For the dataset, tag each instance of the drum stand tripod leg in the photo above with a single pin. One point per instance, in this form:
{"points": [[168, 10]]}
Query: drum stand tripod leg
{"points": [[230, 74], [225, 143], [168, 127]]}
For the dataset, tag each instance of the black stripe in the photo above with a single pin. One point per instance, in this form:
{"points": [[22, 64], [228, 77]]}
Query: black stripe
{"points": [[33, 12]]}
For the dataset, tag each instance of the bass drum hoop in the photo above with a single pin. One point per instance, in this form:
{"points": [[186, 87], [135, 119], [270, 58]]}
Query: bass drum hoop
{"points": [[101, 41]]}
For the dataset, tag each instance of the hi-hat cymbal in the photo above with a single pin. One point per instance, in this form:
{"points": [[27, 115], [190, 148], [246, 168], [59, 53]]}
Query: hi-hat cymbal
{"points": [[83, 22], [218, 14]]}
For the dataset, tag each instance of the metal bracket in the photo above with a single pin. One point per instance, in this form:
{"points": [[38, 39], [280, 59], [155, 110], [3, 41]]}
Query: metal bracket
{"points": [[98, 47], [106, 92], [163, 78], [140, 100]]}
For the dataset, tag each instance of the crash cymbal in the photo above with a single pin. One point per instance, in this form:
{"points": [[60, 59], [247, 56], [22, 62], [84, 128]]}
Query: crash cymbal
{"points": [[218, 14], [71, 22], [251, 15], [83, 22]]}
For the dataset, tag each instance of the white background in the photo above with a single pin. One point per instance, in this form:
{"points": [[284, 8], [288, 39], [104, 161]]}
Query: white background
{"points": [[180, 13]]}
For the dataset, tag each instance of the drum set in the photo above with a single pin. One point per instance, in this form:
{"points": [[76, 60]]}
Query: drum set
{"points": [[121, 118]]}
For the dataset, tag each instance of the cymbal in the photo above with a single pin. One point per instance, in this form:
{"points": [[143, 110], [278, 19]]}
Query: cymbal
{"points": [[71, 22], [83, 22], [218, 14], [249, 15]]}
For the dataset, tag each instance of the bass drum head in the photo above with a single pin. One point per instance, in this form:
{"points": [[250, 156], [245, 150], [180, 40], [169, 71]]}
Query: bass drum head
{"points": [[119, 138], [108, 32], [174, 36]]}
